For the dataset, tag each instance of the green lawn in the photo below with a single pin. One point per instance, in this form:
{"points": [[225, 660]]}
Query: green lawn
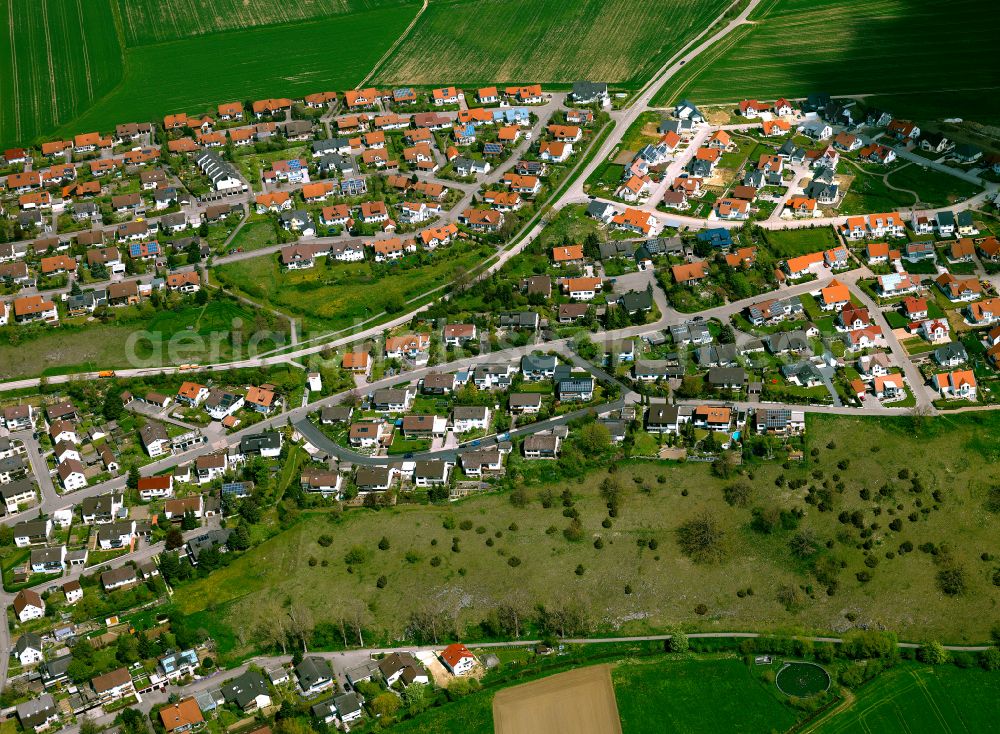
{"points": [[709, 696], [337, 297], [914, 699], [253, 236], [471, 42], [666, 585], [869, 193], [785, 243], [934, 188], [811, 58]]}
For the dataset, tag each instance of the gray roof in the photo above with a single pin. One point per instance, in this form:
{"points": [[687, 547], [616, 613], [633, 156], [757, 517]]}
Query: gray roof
{"points": [[727, 376], [313, 670], [29, 640], [245, 688], [258, 442]]}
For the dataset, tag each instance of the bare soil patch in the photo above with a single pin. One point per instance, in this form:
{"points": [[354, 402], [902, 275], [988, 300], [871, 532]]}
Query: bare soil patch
{"points": [[576, 702]]}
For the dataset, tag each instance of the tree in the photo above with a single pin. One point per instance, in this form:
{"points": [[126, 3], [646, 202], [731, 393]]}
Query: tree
{"points": [[174, 539], [112, 410], [701, 539], [933, 653], [189, 521], [612, 493], [383, 544], [738, 493], [678, 642], [726, 334], [132, 482], [594, 438], [240, 538]]}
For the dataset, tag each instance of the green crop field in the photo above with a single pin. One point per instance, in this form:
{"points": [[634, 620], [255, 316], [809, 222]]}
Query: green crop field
{"points": [[481, 41], [153, 21], [697, 696], [911, 699], [70, 66], [666, 585], [197, 73], [57, 57], [796, 47]]}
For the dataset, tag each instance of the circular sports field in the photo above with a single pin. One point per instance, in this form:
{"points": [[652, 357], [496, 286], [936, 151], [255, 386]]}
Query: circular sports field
{"points": [[802, 679]]}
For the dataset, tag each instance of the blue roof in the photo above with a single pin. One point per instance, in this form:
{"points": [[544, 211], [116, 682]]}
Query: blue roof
{"points": [[717, 236]]}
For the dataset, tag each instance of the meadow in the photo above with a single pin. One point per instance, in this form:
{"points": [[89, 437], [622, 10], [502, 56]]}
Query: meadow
{"points": [[153, 21], [94, 346], [784, 243], [57, 58], [480, 41], [636, 580], [346, 293], [857, 47], [912, 699]]}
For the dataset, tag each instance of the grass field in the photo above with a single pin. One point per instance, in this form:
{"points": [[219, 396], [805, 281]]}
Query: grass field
{"points": [[876, 49], [695, 697], [791, 242], [340, 296], [948, 453], [146, 22], [935, 189], [481, 41], [912, 699], [103, 346], [57, 57]]}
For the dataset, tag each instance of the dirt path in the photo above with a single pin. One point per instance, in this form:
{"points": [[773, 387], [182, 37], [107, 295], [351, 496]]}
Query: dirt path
{"points": [[849, 700], [394, 46]]}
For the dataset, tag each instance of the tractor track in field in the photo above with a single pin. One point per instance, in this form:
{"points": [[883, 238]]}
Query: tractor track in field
{"points": [[49, 59], [85, 52], [13, 67]]}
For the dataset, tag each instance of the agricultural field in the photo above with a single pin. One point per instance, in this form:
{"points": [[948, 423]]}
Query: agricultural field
{"points": [[912, 699], [877, 49], [346, 293], [57, 57], [735, 700], [580, 700], [146, 22], [475, 42], [656, 585], [195, 74]]}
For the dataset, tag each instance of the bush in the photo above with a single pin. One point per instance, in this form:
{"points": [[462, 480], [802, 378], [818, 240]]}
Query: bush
{"points": [[381, 582], [990, 659], [513, 561], [325, 540], [383, 544]]}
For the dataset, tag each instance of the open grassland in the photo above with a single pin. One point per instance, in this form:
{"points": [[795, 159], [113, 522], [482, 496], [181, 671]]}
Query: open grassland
{"points": [[481, 41], [94, 346], [153, 21], [697, 697], [912, 699], [796, 47], [636, 579], [785, 243], [57, 57], [338, 297], [934, 188], [197, 73]]}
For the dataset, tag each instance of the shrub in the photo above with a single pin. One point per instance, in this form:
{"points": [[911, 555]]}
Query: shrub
{"points": [[325, 540], [381, 582], [383, 544]]}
